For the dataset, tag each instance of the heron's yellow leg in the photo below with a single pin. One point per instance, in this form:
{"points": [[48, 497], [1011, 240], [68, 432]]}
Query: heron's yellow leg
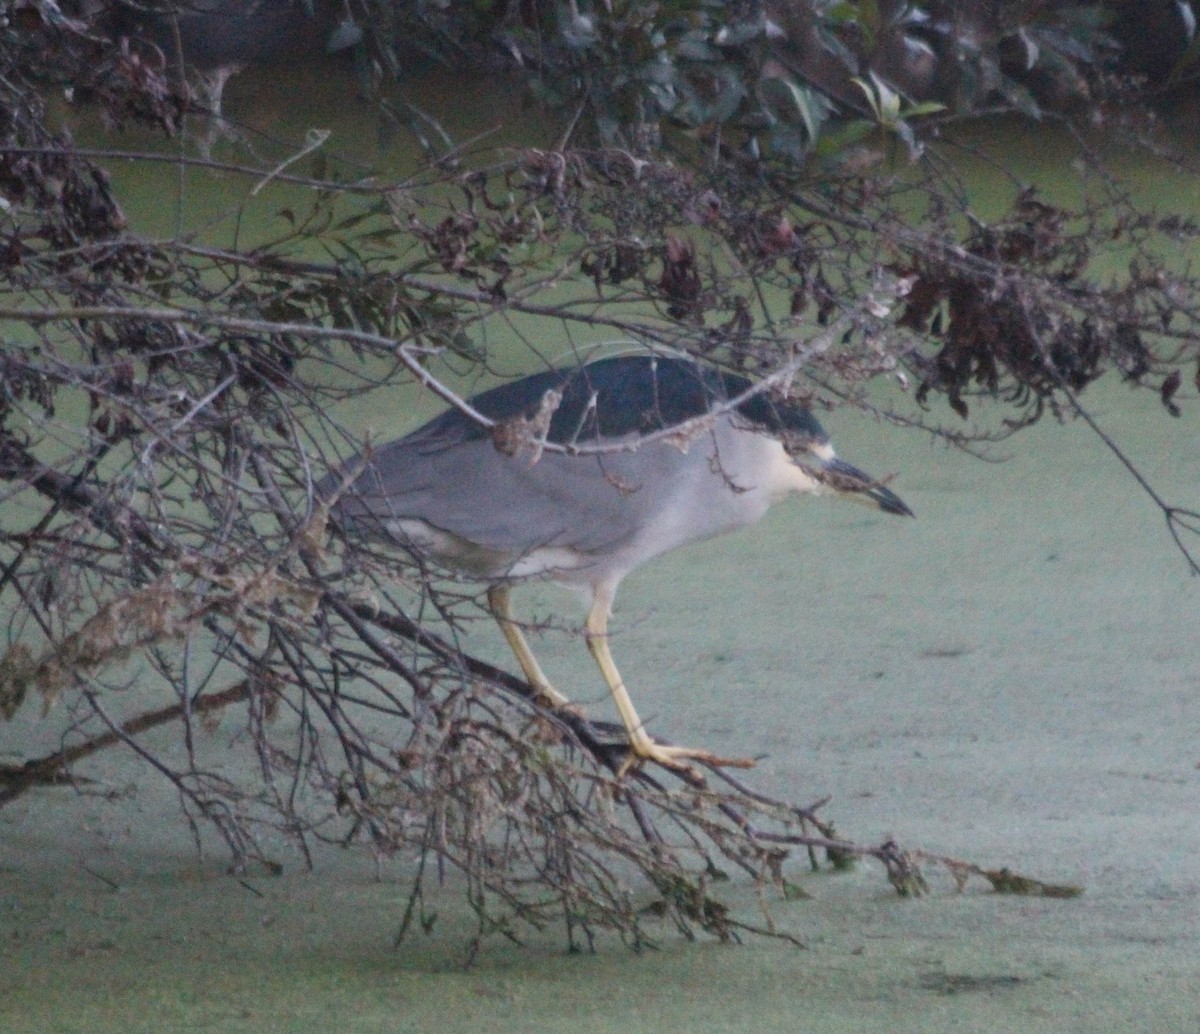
{"points": [[643, 747], [501, 604]]}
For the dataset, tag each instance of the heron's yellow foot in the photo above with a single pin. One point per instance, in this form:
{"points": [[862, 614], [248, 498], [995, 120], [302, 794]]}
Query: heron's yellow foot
{"points": [[676, 758]]}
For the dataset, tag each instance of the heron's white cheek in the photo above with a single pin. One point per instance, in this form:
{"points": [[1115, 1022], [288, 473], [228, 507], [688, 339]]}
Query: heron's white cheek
{"points": [[782, 477]]}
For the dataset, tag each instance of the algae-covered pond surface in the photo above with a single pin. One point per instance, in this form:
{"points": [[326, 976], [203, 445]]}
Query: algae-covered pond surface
{"points": [[1012, 678]]}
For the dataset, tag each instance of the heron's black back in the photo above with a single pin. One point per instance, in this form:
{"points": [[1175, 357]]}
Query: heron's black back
{"points": [[623, 395]]}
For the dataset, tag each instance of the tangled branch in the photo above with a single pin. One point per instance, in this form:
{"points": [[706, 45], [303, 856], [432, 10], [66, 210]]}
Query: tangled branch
{"points": [[167, 407]]}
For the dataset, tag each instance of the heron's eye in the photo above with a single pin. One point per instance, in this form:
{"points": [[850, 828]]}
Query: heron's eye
{"points": [[798, 445]]}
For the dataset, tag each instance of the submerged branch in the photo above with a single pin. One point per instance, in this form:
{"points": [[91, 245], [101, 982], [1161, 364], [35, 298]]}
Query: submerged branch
{"points": [[55, 768]]}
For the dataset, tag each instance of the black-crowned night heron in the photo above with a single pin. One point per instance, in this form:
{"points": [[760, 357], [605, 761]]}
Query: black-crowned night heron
{"points": [[495, 505]]}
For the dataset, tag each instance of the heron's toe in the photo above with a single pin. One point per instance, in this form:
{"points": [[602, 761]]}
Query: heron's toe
{"points": [[560, 704], [677, 758]]}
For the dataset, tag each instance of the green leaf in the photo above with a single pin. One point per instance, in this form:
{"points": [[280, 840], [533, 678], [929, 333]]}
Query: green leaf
{"points": [[889, 99], [788, 102], [729, 99], [869, 93], [347, 34], [924, 108], [844, 136], [694, 46], [737, 35], [905, 132], [842, 13]]}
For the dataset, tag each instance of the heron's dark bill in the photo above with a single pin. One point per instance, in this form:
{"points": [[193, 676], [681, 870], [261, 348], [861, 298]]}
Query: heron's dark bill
{"points": [[842, 477]]}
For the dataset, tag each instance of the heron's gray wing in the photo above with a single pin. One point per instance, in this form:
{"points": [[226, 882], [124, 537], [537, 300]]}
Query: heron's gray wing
{"points": [[509, 503], [450, 474]]}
